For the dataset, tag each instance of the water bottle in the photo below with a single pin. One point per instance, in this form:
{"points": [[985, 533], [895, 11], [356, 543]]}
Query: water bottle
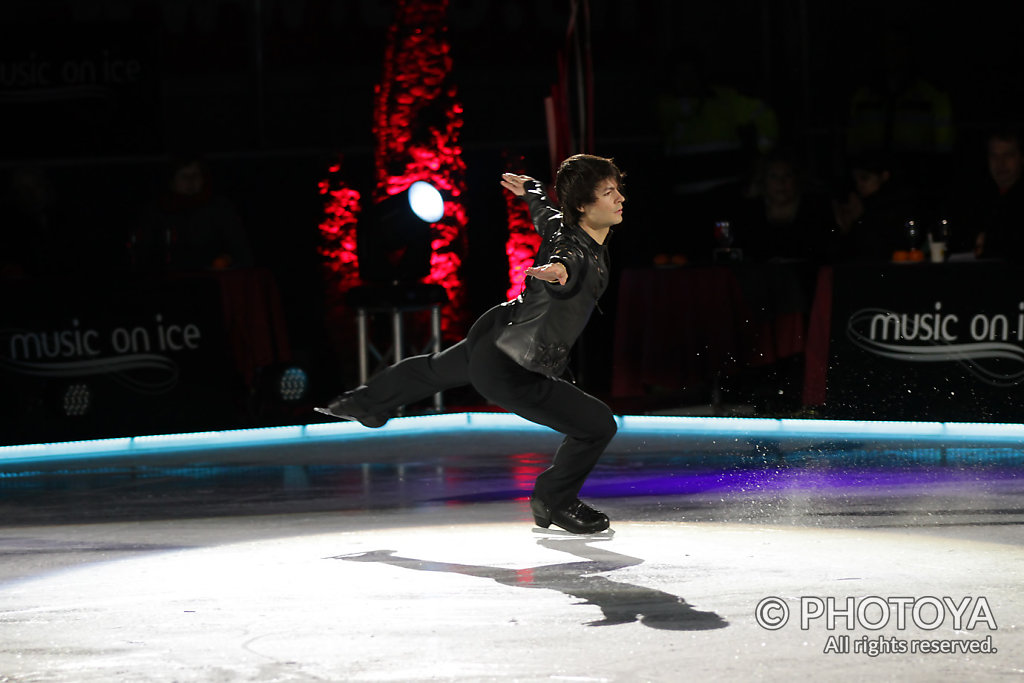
{"points": [[913, 234], [724, 237], [723, 234], [938, 239]]}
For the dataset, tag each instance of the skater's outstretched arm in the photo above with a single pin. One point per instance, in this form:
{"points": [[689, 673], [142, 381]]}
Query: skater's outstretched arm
{"points": [[550, 272], [547, 220]]}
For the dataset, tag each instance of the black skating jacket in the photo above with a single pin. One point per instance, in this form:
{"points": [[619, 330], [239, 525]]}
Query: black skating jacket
{"points": [[546, 318]]}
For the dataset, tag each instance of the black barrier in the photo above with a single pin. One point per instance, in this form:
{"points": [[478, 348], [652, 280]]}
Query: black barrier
{"points": [[90, 358], [919, 341]]}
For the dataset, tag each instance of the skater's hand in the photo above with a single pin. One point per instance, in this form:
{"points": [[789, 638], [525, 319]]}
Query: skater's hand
{"points": [[549, 272], [514, 183]]}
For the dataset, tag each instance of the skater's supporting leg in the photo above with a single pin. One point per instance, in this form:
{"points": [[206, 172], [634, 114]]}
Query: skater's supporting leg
{"points": [[586, 421]]}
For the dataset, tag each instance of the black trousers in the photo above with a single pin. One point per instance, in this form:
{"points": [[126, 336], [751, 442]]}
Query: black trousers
{"points": [[588, 424]]}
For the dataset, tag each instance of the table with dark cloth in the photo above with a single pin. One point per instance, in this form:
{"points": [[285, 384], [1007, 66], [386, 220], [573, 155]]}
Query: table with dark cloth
{"points": [[254, 320], [917, 341], [680, 326]]}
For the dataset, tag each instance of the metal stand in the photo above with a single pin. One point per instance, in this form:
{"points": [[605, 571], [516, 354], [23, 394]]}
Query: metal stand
{"points": [[396, 301], [398, 343]]}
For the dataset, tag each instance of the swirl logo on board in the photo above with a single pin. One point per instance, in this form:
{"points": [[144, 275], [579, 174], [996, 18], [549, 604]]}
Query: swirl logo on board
{"points": [[989, 346], [134, 357]]}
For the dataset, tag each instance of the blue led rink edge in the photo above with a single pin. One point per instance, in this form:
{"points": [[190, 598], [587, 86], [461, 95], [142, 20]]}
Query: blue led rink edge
{"points": [[949, 433]]}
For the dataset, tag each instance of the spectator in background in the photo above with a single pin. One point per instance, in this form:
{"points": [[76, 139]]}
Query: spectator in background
{"points": [[873, 218], [783, 216], [997, 208], [710, 136], [710, 132], [898, 111], [190, 226]]}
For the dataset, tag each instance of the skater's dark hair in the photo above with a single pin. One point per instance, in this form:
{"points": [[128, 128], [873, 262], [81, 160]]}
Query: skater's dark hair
{"points": [[577, 179]]}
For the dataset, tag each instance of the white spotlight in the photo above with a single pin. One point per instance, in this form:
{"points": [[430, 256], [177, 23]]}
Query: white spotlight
{"points": [[426, 202]]}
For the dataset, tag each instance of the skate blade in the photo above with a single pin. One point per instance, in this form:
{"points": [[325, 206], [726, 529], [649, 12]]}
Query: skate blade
{"points": [[553, 532]]}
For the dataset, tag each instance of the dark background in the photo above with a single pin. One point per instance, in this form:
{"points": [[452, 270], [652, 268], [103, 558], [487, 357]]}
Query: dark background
{"points": [[101, 95]]}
